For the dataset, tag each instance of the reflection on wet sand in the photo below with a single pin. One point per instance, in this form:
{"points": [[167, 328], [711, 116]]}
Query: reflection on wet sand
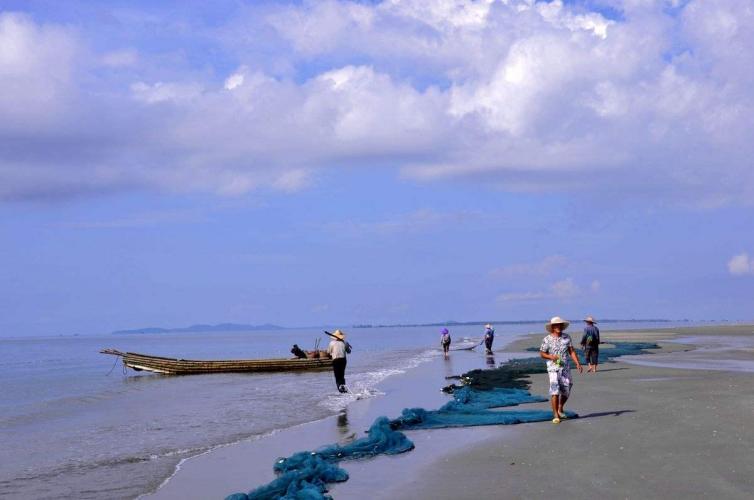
{"points": [[342, 422]]}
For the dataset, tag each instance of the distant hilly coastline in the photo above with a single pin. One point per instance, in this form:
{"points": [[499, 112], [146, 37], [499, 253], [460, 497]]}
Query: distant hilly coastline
{"points": [[520, 322], [221, 327]]}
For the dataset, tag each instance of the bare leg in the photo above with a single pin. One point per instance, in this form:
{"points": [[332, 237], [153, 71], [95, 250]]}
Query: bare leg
{"points": [[561, 404], [555, 403]]}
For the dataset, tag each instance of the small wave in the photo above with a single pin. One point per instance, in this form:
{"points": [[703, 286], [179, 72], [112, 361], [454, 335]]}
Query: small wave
{"points": [[364, 385]]}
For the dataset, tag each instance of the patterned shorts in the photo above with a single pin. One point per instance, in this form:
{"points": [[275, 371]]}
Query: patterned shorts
{"points": [[560, 383]]}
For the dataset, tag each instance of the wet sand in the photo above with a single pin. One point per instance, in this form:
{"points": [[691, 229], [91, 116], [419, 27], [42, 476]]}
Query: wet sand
{"points": [[644, 431], [241, 467]]}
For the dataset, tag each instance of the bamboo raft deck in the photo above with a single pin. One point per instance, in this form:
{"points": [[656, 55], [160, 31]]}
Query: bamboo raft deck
{"points": [[176, 366]]}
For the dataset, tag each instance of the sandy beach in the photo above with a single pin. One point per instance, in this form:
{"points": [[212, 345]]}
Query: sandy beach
{"points": [[643, 431]]}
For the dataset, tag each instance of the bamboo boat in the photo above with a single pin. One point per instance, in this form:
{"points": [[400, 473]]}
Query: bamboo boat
{"points": [[176, 366]]}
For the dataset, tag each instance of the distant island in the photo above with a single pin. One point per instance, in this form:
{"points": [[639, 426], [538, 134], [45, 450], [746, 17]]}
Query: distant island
{"points": [[520, 322], [221, 327]]}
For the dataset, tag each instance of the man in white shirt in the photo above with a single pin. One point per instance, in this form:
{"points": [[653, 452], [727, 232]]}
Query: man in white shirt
{"points": [[337, 350]]}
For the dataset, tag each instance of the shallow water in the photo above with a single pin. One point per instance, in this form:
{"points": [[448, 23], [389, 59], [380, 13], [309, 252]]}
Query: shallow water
{"points": [[69, 428], [719, 353]]}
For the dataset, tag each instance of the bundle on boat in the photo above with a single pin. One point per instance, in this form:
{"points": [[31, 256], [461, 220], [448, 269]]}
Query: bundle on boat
{"points": [[306, 474], [177, 366]]}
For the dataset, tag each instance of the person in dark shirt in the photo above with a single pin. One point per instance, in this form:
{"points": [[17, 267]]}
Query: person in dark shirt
{"points": [[489, 337], [590, 342], [445, 341]]}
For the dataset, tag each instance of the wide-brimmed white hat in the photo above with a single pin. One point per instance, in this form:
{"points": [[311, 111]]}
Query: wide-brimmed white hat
{"points": [[589, 319], [339, 335], [488, 326], [557, 320]]}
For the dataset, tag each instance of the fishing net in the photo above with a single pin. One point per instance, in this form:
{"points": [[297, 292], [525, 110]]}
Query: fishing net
{"points": [[607, 354], [305, 475], [471, 407]]}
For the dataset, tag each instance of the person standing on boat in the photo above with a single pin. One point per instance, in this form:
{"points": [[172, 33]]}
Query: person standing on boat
{"points": [[445, 341], [489, 337], [556, 349], [337, 350], [590, 342]]}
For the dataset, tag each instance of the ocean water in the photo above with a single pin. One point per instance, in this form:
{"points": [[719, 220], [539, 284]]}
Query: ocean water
{"points": [[74, 425]]}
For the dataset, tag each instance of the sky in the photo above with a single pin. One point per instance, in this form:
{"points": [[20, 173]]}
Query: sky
{"points": [[340, 162]]}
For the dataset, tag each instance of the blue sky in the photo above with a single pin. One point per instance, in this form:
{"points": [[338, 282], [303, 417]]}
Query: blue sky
{"points": [[332, 162]]}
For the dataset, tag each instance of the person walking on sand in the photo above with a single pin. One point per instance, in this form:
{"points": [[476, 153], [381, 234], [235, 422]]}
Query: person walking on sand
{"points": [[489, 337], [556, 348], [445, 341], [590, 342], [337, 350]]}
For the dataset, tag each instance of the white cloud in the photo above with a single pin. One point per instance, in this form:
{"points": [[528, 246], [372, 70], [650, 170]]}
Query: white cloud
{"points": [[37, 73], [518, 94], [741, 264], [565, 289], [521, 296], [233, 81], [541, 268], [562, 290], [161, 92]]}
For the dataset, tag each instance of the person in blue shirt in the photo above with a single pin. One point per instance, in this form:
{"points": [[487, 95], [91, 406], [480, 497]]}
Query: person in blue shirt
{"points": [[590, 342], [489, 337]]}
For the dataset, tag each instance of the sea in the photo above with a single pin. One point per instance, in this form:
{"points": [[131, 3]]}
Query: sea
{"points": [[75, 424]]}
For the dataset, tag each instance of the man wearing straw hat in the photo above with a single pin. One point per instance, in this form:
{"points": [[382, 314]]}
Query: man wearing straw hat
{"points": [[590, 342], [556, 349], [337, 350]]}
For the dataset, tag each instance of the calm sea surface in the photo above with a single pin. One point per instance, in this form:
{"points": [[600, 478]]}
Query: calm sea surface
{"points": [[73, 425]]}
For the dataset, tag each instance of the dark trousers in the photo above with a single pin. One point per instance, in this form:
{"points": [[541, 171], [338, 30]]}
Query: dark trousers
{"points": [[592, 355], [339, 369], [488, 343]]}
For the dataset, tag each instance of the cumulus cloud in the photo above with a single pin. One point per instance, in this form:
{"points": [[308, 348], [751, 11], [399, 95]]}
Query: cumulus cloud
{"points": [[741, 264], [520, 94]]}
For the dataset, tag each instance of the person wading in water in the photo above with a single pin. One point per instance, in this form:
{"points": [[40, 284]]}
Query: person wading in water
{"points": [[445, 341], [489, 337], [556, 349], [337, 350]]}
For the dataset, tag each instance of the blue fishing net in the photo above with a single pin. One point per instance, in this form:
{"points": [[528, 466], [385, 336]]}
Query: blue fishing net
{"points": [[471, 407], [606, 354], [305, 475]]}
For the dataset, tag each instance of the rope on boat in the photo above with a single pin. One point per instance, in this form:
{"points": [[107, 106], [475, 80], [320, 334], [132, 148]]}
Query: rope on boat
{"points": [[114, 352], [113, 368]]}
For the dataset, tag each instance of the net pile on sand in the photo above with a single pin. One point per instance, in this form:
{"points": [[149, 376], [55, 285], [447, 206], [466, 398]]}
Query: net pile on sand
{"points": [[306, 474]]}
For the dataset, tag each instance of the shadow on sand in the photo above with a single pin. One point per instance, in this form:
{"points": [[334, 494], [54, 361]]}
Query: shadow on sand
{"points": [[616, 413]]}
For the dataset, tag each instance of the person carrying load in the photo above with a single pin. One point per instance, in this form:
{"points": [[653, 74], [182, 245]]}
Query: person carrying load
{"points": [[337, 349], [556, 349]]}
